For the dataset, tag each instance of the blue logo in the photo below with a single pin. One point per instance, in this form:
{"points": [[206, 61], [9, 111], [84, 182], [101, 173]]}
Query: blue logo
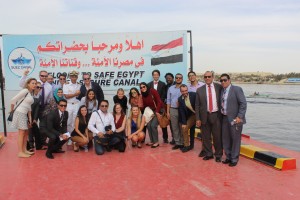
{"points": [[21, 59]]}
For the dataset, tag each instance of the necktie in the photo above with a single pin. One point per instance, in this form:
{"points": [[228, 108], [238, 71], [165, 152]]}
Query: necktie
{"points": [[210, 100], [61, 118], [155, 82], [42, 97], [223, 103]]}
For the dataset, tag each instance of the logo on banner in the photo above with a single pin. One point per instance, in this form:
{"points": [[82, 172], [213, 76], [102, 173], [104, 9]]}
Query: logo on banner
{"points": [[19, 60]]}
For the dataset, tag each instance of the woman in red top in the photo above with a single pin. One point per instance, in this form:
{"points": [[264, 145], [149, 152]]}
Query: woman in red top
{"points": [[152, 100], [120, 119]]}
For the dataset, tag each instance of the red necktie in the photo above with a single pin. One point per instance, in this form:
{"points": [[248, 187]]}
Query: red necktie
{"points": [[210, 100]]}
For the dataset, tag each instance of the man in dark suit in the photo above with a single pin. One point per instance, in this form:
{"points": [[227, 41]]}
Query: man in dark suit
{"points": [[159, 86], [187, 118], [208, 116], [233, 109], [88, 84], [55, 126]]}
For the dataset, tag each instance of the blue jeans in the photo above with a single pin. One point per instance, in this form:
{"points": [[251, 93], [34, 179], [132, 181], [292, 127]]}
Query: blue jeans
{"points": [[99, 148]]}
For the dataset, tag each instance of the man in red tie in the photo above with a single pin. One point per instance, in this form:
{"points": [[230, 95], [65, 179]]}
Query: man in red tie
{"points": [[208, 117], [159, 86]]}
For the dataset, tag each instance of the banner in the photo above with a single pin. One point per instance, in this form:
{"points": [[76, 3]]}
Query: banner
{"points": [[114, 60]]}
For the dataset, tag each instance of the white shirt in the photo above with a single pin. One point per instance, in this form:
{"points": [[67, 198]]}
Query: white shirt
{"points": [[25, 106], [71, 88], [155, 85], [214, 98], [97, 125]]}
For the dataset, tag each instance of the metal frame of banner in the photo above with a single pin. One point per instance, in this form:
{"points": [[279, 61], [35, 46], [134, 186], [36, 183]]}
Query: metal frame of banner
{"points": [[191, 51], [2, 93]]}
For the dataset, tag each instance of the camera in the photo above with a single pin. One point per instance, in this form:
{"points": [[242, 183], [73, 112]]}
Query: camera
{"points": [[107, 128]]}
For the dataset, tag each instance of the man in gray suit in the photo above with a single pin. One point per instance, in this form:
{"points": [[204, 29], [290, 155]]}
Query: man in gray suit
{"points": [[208, 116], [233, 109]]}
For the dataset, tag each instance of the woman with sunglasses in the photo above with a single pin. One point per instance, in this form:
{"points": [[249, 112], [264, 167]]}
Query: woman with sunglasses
{"points": [[135, 98], [81, 136], [22, 118], [152, 100], [135, 126]]}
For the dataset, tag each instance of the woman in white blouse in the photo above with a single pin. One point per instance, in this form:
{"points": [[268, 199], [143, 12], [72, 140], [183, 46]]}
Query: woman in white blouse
{"points": [[22, 115]]}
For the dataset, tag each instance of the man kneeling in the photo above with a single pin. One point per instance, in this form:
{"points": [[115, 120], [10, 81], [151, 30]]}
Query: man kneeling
{"points": [[102, 125]]}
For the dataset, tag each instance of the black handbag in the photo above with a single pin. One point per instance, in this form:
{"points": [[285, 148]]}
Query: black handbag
{"points": [[11, 114]]}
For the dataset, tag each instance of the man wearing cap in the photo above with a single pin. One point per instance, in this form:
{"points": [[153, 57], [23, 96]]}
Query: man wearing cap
{"points": [[71, 92]]}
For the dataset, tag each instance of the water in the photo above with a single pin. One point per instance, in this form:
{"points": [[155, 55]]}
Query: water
{"points": [[272, 117]]}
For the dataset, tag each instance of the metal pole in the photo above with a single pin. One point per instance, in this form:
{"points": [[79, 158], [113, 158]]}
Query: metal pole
{"points": [[191, 51], [2, 95]]}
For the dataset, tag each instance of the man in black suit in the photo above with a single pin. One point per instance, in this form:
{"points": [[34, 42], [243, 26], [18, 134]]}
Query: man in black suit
{"points": [[55, 126], [208, 116], [159, 86], [187, 118], [233, 109], [88, 84]]}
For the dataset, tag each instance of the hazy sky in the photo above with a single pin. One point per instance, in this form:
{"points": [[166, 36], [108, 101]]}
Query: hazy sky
{"points": [[228, 35]]}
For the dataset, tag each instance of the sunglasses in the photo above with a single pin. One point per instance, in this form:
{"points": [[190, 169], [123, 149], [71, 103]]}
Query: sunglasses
{"points": [[178, 77], [133, 92], [44, 76], [207, 76], [38, 87], [86, 79], [63, 105], [142, 87], [62, 79], [104, 106], [223, 80]]}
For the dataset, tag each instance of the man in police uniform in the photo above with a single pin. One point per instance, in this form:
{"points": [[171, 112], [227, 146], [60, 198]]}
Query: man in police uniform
{"points": [[71, 92]]}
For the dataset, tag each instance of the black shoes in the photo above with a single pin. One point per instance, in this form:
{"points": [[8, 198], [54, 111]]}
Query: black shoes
{"points": [[172, 142], [232, 164], [177, 147], [185, 149], [218, 159], [49, 155], [227, 161], [202, 154], [208, 157], [166, 141], [59, 151], [108, 148]]}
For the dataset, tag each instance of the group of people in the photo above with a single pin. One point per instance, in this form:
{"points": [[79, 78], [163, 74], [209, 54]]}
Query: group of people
{"points": [[79, 113]]}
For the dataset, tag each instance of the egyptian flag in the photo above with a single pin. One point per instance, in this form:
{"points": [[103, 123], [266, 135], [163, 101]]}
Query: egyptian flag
{"points": [[169, 53]]}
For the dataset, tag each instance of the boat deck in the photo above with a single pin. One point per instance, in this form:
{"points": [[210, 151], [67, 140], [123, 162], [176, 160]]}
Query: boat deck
{"points": [[145, 173]]}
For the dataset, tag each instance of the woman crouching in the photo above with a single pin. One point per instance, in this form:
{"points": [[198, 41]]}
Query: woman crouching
{"points": [[135, 125]]}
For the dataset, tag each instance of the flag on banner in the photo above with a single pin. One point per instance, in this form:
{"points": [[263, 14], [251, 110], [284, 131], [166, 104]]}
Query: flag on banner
{"points": [[171, 52]]}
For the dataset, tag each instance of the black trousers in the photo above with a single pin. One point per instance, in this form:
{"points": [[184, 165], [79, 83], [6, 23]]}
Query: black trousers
{"points": [[35, 137], [54, 143]]}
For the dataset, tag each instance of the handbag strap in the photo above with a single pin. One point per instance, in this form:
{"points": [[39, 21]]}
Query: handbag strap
{"points": [[20, 102], [153, 101]]}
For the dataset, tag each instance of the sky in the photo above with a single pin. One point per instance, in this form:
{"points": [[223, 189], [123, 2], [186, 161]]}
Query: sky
{"points": [[227, 35]]}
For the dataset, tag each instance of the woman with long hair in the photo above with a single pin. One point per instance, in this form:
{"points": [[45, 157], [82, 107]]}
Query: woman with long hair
{"points": [[90, 101], [135, 98], [22, 119], [135, 126], [81, 136], [119, 118], [152, 100]]}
